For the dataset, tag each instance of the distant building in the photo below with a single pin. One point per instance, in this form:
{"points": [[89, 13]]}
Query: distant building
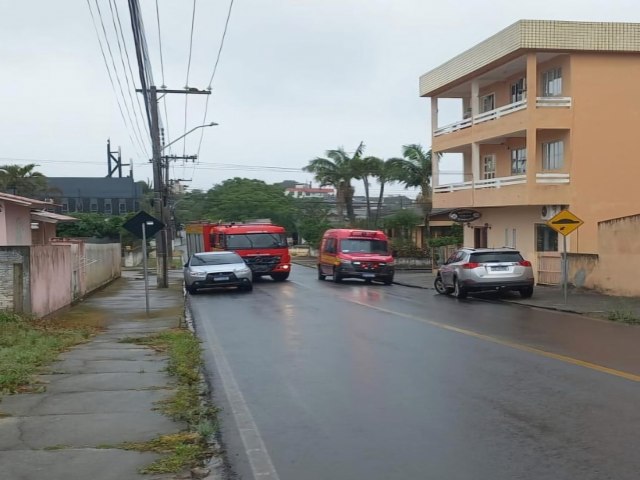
{"points": [[110, 196], [303, 190]]}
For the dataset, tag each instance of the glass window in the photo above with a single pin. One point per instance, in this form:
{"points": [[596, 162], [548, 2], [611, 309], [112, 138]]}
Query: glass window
{"points": [[226, 258], [518, 161], [79, 205], [256, 240], [122, 206], [489, 167], [518, 90], [552, 82], [546, 239], [495, 257], [553, 155], [487, 103], [93, 206], [65, 205], [107, 206], [358, 245]]}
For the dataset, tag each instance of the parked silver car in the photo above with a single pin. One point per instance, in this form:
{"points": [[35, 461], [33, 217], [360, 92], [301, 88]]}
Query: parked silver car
{"points": [[485, 269], [216, 269]]}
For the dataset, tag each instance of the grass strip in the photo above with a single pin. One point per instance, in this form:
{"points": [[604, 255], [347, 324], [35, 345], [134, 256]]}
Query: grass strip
{"points": [[28, 343], [185, 449]]}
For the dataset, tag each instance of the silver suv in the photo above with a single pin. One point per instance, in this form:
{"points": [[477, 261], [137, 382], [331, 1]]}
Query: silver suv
{"points": [[485, 269]]}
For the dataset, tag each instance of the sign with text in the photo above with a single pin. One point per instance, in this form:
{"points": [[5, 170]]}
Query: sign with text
{"points": [[464, 215]]}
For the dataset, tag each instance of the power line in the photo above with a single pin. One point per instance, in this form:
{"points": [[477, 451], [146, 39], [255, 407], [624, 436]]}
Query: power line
{"points": [[126, 51], [113, 86], [186, 83], [115, 71], [126, 76], [215, 69], [164, 99]]}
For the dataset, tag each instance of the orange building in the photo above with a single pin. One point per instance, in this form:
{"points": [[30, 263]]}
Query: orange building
{"points": [[549, 120]]}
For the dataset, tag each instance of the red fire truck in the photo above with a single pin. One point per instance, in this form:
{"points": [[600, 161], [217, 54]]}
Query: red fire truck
{"points": [[261, 244]]}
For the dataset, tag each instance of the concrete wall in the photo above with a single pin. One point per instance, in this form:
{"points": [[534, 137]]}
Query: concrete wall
{"points": [[50, 278], [102, 265], [15, 225]]}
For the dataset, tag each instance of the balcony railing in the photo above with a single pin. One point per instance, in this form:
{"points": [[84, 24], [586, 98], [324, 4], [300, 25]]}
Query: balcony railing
{"points": [[552, 178], [543, 178], [542, 102]]}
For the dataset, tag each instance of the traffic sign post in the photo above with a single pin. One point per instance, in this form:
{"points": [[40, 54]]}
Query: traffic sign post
{"points": [[141, 225], [564, 223]]}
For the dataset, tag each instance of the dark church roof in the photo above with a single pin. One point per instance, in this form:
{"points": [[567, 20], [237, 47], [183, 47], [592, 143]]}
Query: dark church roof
{"points": [[95, 187]]}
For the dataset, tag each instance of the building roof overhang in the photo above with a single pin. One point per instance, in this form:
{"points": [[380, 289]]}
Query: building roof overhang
{"points": [[531, 36]]}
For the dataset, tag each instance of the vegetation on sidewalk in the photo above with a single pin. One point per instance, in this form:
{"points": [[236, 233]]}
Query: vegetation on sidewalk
{"points": [[185, 449], [624, 316], [28, 343]]}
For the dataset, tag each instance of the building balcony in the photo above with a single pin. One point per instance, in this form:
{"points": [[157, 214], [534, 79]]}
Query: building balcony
{"points": [[505, 110], [548, 188]]}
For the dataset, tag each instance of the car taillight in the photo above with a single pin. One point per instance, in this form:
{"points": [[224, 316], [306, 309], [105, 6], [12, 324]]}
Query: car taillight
{"points": [[470, 265], [524, 263]]}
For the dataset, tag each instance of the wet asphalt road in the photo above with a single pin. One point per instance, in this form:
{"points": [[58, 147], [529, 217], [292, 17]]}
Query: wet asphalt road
{"points": [[354, 381]]}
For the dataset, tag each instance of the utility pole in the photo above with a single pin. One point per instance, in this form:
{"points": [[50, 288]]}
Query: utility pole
{"points": [[158, 193]]}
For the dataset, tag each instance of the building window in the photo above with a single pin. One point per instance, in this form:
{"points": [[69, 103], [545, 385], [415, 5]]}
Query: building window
{"points": [[107, 206], [553, 155], [518, 161], [487, 103], [65, 205], [546, 239], [489, 167], [552, 82], [79, 205], [122, 206], [518, 90], [93, 205], [510, 237]]}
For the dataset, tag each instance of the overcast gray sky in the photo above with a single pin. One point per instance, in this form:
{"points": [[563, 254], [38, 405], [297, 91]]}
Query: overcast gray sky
{"points": [[295, 78]]}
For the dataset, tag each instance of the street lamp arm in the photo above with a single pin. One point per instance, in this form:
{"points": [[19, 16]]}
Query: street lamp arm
{"points": [[212, 124]]}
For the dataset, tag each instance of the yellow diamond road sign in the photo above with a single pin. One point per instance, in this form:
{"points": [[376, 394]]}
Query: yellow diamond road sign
{"points": [[565, 222]]}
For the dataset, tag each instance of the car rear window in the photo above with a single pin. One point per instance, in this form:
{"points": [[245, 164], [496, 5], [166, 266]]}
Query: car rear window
{"points": [[495, 257], [220, 259]]}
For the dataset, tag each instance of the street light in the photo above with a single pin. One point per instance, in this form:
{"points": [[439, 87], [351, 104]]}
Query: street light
{"points": [[212, 124]]}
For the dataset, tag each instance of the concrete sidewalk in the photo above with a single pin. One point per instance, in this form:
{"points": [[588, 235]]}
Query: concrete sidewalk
{"points": [[97, 395], [582, 301]]}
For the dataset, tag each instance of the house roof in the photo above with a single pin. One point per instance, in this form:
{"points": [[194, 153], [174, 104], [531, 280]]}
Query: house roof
{"points": [[50, 217], [95, 187], [23, 201], [536, 36]]}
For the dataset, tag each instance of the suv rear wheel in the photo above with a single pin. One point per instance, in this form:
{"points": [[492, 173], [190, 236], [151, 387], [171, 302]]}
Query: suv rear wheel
{"points": [[458, 290]]}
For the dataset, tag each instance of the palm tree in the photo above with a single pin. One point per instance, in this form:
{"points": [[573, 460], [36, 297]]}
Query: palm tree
{"points": [[22, 180], [385, 174], [338, 170], [414, 170], [367, 167]]}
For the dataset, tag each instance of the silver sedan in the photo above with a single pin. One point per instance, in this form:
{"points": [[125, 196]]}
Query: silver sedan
{"points": [[216, 269]]}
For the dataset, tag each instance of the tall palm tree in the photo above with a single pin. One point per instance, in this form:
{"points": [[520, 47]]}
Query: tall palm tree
{"points": [[414, 170], [338, 170], [385, 173], [365, 168], [22, 180]]}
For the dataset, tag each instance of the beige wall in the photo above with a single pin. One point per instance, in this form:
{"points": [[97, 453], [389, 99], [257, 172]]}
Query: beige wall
{"points": [[50, 280]]}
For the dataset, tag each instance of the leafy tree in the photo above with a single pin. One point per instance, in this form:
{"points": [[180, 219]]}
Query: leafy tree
{"points": [[312, 219], [23, 180], [402, 223], [241, 199], [414, 170], [338, 170], [95, 225]]}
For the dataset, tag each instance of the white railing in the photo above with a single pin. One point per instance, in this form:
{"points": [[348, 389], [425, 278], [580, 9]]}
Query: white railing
{"points": [[501, 181], [543, 178], [553, 101], [500, 112], [553, 178]]}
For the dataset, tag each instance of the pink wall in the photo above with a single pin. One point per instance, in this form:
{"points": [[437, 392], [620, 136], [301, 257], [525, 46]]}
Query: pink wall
{"points": [[50, 283], [15, 226]]}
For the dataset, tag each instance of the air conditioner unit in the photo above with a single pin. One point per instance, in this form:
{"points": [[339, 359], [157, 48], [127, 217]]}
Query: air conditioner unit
{"points": [[547, 212]]}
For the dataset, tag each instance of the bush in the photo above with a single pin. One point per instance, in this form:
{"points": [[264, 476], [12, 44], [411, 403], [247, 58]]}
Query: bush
{"points": [[408, 249]]}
